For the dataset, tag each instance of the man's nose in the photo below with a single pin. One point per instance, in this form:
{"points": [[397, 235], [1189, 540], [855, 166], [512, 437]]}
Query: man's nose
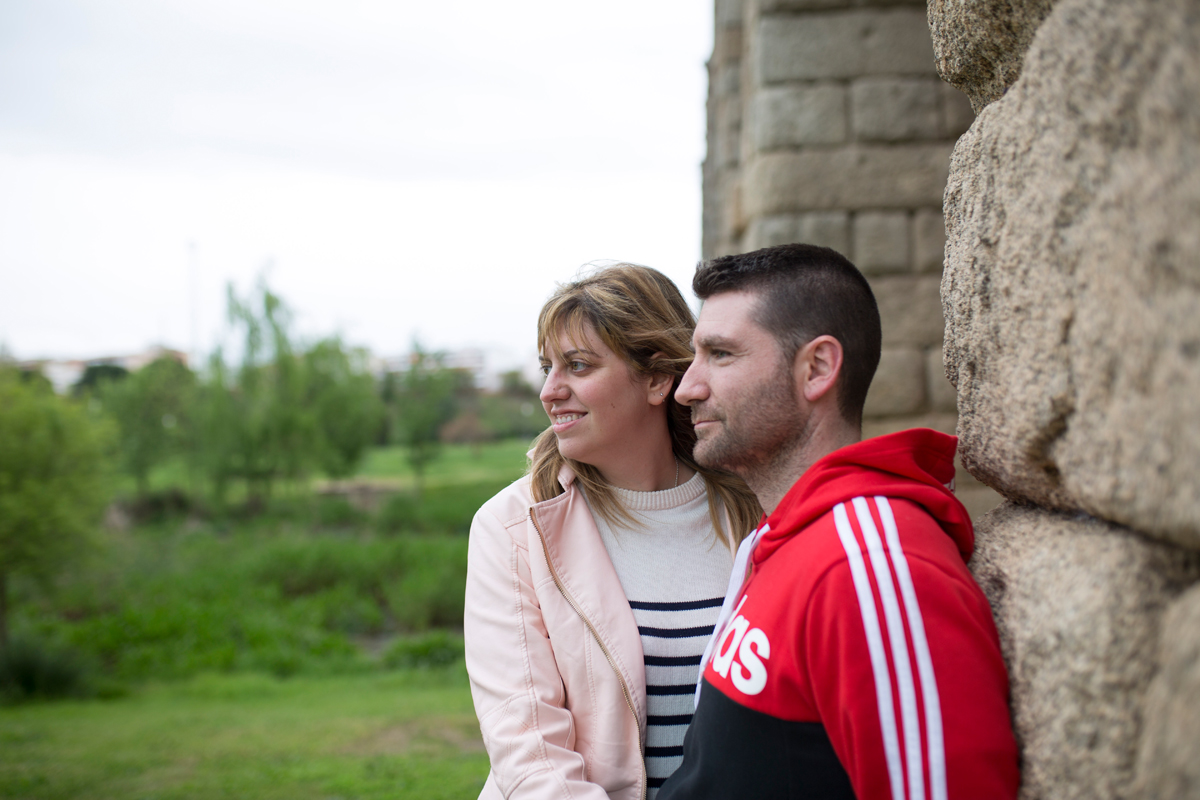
{"points": [[690, 387]]}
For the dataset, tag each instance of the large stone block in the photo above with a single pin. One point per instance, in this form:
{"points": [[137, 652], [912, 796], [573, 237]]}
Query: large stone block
{"points": [[858, 176], [792, 116], [1169, 762], [899, 384], [728, 13], [881, 426], [843, 44], [1078, 605], [824, 228], [929, 240], [768, 6], [909, 309], [1072, 284], [980, 44], [895, 109], [940, 391], [957, 114], [881, 242]]}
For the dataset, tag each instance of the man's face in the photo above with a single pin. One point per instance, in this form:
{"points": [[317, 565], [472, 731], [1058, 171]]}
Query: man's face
{"points": [[743, 396]]}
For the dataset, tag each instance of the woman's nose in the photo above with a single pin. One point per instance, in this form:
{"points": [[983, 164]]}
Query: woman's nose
{"points": [[553, 388]]}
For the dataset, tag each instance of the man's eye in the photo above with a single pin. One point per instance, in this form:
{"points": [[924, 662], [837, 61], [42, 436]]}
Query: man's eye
{"points": [[720, 353]]}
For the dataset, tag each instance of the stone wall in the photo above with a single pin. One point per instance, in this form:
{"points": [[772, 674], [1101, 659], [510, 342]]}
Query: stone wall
{"points": [[828, 124], [1071, 293]]}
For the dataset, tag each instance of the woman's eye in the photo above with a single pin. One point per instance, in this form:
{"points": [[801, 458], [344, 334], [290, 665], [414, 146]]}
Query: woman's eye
{"points": [[577, 366], [545, 370]]}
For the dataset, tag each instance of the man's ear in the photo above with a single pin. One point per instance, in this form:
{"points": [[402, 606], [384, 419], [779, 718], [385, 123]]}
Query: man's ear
{"points": [[817, 367]]}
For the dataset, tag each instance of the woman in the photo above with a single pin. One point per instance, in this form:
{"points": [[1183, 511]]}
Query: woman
{"points": [[593, 582]]}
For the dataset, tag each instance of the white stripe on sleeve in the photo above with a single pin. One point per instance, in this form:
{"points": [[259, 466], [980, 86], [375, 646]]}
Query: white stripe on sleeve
{"points": [[883, 682], [929, 690], [899, 643]]}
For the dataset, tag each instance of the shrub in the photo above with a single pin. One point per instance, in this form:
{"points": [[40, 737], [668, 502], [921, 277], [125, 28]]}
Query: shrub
{"points": [[433, 649], [337, 512], [431, 595], [39, 669], [400, 514], [450, 509]]}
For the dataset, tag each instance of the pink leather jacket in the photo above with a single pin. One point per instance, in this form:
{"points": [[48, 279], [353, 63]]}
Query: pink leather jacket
{"points": [[553, 652]]}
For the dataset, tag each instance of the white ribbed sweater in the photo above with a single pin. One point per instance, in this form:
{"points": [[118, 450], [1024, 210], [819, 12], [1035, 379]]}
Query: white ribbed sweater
{"points": [[674, 571]]}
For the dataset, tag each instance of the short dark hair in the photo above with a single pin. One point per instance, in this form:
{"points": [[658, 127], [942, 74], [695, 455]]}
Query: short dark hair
{"points": [[804, 292]]}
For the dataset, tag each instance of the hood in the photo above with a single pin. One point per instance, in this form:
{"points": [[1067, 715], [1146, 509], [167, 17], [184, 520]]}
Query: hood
{"points": [[916, 465]]}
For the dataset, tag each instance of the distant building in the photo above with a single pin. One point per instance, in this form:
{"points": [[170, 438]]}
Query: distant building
{"points": [[65, 373]]}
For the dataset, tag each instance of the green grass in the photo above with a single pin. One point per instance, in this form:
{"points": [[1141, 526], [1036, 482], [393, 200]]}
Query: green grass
{"points": [[409, 734], [457, 463]]}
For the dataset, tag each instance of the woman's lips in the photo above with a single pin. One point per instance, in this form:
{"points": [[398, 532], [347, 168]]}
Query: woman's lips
{"points": [[565, 420]]}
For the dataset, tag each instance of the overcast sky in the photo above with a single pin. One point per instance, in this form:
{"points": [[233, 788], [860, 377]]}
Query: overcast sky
{"points": [[396, 169]]}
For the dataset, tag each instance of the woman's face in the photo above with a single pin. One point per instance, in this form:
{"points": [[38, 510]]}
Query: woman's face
{"points": [[600, 411]]}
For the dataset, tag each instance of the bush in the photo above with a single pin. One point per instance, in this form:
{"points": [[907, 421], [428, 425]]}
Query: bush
{"points": [[450, 509], [440, 509], [431, 595], [400, 514], [305, 565], [332, 511], [433, 649], [32, 669], [174, 600]]}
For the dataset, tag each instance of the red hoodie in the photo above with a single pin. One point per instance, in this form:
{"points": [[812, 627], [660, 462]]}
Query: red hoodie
{"points": [[862, 659]]}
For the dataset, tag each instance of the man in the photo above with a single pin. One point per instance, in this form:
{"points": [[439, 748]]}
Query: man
{"points": [[858, 658]]}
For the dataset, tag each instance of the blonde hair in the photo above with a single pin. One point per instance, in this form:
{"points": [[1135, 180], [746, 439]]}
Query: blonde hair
{"points": [[640, 315]]}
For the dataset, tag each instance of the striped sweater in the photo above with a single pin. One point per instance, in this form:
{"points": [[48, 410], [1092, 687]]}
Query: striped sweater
{"points": [[674, 572]]}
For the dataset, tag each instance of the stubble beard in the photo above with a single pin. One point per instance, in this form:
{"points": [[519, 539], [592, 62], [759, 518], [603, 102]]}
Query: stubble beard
{"points": [[768, 427]]}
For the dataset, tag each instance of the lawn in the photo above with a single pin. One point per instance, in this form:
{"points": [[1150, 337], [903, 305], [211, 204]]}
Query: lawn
{"points": [[455, 464], [404, 734], [387, 467]]}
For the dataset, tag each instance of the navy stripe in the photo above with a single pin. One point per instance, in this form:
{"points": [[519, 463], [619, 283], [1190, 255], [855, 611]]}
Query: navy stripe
{"points": [[687, 688], [664, 752], [673, 661], [655, 783], [712, 602], [676, 633], [671, 719]]}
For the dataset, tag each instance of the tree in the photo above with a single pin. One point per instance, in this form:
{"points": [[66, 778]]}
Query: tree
{"points": [[425, 400], [97, 374], [513, 384], [153, 409], [53, 486], [252, 420], [340, 392]]}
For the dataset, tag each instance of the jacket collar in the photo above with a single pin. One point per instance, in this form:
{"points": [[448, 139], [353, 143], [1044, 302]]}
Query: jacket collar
{"points": [[566, 477]]}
